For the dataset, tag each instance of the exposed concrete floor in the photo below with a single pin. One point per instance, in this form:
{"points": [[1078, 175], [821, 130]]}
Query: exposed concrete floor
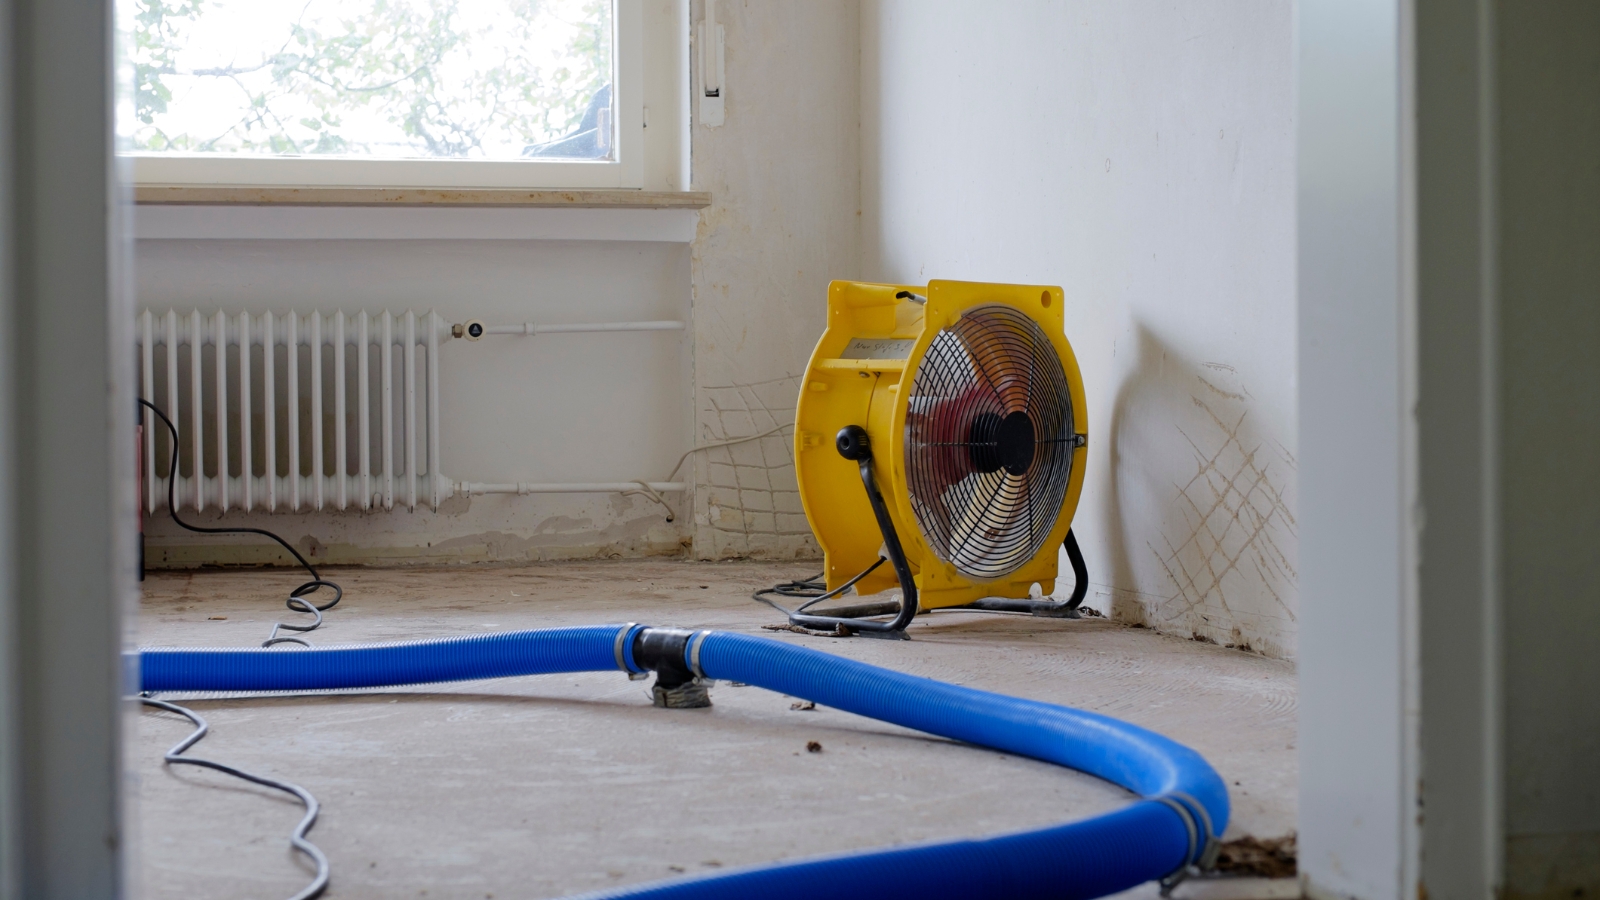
{"points": [[539, 787]]}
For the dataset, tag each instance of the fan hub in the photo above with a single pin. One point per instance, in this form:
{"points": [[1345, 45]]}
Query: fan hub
{"points": [[1002, 442], [1016, 442]]}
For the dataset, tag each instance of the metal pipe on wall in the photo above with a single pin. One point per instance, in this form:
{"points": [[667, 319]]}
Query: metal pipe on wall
{"points": [[473, 329], [468, 488]]}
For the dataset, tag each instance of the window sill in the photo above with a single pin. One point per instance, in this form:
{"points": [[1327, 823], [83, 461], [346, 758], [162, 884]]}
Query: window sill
{"points": [[315, 213], [493, 198]]}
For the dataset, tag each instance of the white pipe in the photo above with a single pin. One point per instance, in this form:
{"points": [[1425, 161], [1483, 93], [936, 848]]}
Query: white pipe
{"points": [[529, 328], [668, 325], [593, 487]]}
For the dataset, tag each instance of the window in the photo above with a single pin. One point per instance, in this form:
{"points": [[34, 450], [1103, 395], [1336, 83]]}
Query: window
{"points": [[444, 93]]}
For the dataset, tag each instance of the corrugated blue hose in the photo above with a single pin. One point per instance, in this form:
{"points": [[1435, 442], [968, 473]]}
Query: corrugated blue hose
{"points": [[1186, 802]]}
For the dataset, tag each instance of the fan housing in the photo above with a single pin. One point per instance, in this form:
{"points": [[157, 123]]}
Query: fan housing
{"points": [[975, 407]]}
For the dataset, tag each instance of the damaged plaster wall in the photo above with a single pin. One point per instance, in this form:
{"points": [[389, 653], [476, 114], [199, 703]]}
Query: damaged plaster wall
{"points": [[1140, 155], [784, 174]]}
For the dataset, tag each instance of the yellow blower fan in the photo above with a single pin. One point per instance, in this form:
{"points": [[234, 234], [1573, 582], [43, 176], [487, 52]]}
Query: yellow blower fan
{"points": [[941, 429]]}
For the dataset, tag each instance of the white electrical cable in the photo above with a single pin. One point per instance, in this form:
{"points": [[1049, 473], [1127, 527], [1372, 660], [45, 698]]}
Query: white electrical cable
{"points": [[647, 488], [728, 443]]}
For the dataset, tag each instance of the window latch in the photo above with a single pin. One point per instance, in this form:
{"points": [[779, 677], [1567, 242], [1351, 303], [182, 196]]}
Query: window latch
{"points": [[713, 76]]}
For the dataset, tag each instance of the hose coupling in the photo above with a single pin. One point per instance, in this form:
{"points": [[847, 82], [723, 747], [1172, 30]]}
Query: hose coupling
{"points": [[1204, 844], [667, 652]]}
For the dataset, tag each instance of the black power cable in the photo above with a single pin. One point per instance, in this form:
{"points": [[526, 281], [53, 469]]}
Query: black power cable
{"points": [[298, 837], [814, 590], [295, 602]]}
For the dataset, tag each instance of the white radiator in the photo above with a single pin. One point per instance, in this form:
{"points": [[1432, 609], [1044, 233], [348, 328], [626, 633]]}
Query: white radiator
{"points": [[293, 412]]}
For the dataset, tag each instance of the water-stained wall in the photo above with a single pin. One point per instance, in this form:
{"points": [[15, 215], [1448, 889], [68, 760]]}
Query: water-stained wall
{"points": [[1140, 155]]}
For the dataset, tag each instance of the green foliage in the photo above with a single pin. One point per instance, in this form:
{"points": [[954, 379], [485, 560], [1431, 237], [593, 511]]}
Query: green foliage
{"points": [[156, 26], [382, 77]]}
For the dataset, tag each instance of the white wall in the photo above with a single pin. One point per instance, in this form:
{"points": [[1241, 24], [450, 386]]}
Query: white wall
{"points": [[1141, 156], [1357, 664], [66, 411]]}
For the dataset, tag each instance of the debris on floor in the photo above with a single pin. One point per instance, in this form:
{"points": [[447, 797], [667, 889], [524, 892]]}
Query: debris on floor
{"points": [[841, 631], [1257, 857]]}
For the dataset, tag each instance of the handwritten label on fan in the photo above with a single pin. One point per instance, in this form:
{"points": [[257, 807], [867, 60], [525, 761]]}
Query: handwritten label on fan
{"points": [[877, 348]]}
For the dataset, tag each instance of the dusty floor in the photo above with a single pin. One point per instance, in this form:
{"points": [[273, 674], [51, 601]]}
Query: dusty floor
{"points": [[539, 787]]}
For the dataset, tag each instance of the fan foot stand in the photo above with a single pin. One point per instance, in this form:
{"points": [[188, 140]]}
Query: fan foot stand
{"points": [[853, 445], [1043, 608], [1065, 609]]}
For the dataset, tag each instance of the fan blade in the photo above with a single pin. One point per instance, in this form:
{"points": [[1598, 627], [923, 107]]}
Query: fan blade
{"points": [[993, 529], [1002, 353], [940, 421]]}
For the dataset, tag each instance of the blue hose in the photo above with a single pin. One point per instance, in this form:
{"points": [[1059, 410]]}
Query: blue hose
{"points": [[542, 652], [1185, 805]]}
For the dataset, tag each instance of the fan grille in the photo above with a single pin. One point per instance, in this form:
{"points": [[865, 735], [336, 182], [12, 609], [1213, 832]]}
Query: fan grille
{"points": [[989, 441]]}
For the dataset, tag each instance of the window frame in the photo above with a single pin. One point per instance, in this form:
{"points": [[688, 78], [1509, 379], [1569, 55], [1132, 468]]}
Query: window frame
{"points": [[626, 170]]}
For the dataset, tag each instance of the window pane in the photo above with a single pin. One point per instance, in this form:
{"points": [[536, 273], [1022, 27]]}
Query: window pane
{"points": [[386, 79]]}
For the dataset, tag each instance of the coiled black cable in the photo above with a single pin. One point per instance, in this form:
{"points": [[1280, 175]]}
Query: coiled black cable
{"points": [[298, 838], [296, 601], [813, 590]]}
